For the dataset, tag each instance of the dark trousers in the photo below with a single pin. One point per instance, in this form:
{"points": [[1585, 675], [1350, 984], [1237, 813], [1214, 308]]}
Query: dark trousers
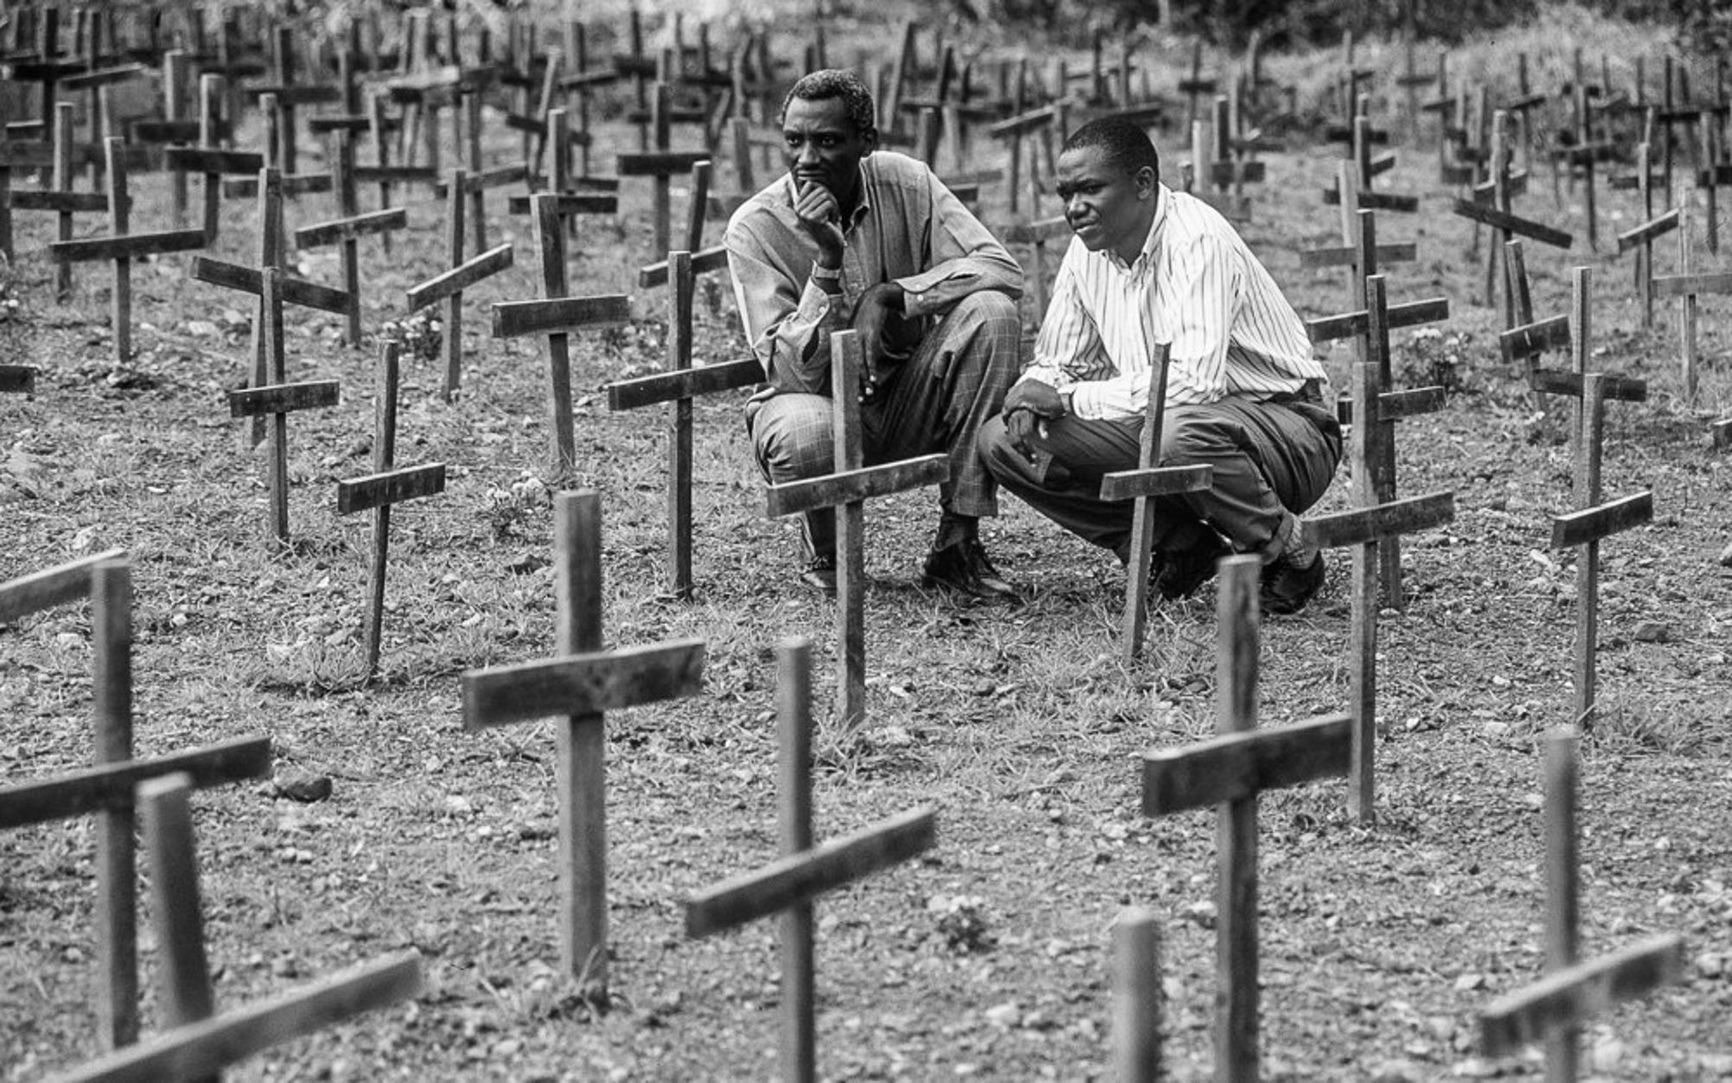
{"points": [[1267, 458]]}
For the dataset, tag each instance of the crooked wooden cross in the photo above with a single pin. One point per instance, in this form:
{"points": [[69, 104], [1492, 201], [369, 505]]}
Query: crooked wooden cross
{"points": [[578, 195], [1574, 990], [348, 229], [1371, 326], [387, 485], [198, 1042], [1490, 205], [1583, 529], [679, 385], [1141, 486], [122, 247], [106, 790], [576, 686], [555, 317], [1353, 189], [1641, 237], [449, 285], [847, 490], [788, 885], [1229, 772]]}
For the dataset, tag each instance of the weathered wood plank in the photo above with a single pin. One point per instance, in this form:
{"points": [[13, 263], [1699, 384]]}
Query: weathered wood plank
{"points": [[803, 876], [685, 383], [1351, 324], [199, 1050], [559, 315], [1560, 382], [58, 585], [1155, 481], [1664, 285], [569, 203], [1500, 219], [395, 174], [1349, 256], [389, 487], [1647, 231], [1592, 524], [360, 225], [47, 199], [1580, 992], [581, 684], [852, 485], [461, 277], [128, 246], [204, 160], [1377, 201], [1238, 765], [664, 163], [1396, 405], [1362, 525], [112, 785], [283, 398], [292, 290], [656, 274], [497, 177], [1530, 339]]}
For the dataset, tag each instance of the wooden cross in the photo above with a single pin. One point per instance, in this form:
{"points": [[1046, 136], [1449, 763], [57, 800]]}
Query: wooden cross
{"points": [[577, 686], [348, 231], [198, 1043], [1574, 990], [598, 195], [449, 285], [106, 789], [1642, 237], [1353, 187], [1216, 178], [1141, 486], [99, 81], [556, 317], [293, 184], [1370, 326], [122, 246], [1194, 85], [59, 198], [208, 157], [382, 172], [679, 384], [662, 164], [1499, 192], [788, 885], [387, 485], [1583, 529], [847, 490], [1229, 772], [290, 95], [1711, 176], [1496, 213], [477, 180], [1688, 285]]}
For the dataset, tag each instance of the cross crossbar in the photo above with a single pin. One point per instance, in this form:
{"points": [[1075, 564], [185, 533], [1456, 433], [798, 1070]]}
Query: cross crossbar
{"points": [[1378, 521], [1501, 219], [343, 229], [1676, 285], [656, 274], [1349, 256], [809, 873], [51, 586], [665, 163], [296, 291], [1237, 765], [1376, 201], [1535, 338], [1647, 231], [205, 160], [684, 383], [1156, 481], [1615, 388], [283, 398], [514, 318], [389, 487], [1578, 992], [569, 203], [847, 486], [461, 277], [112, 785], [128, 245], [582, 684], [1351, 324], [1396, 405], [1592, 524]]}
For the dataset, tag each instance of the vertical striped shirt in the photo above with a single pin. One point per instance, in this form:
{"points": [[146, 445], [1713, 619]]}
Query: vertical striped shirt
{"points": [[1194, 284]]}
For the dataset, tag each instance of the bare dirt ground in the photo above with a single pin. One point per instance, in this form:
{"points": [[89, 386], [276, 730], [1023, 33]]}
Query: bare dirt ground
{"points": [[989, 957]]}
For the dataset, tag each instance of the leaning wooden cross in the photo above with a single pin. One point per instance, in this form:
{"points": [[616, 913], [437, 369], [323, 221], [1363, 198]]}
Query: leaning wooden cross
{"points": [[106, 789], [556, 317], [197, 1042], [847, 490], [1229, 772], [1141, 486], [1688, 285], [123, 247], [386, 486], [788, 885], [1574, 990], [577, 686], [1496, 214], [1582, 529], [1353, 183], [1371, 326], [348, 229], [679, 385], [449, 285], [1641, 238]]}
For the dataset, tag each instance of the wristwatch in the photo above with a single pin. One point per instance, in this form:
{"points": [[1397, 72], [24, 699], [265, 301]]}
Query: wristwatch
{"points": [[1066, 397], [826, 274]]}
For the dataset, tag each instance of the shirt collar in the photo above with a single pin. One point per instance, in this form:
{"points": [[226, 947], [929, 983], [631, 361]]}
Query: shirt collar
{"points": [[1146, 257]]}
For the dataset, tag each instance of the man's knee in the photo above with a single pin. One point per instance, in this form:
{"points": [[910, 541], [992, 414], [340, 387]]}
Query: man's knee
{"points": [[1192, 436], [988, 308], [791, 434]]}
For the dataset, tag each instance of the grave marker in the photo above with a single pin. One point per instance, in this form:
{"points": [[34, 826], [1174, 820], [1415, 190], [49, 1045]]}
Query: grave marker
{"points": [[449, 286], [556, 316], [1142, 485], [209, 158], [804, 871], [386, 486], [577, 686], [199, 1043], [348, 229], [847, 490], [59, 198], [1573, 991], [122, 246], [678, 385], [1583, 529], [1229, 772], [1137, 996], [1688, 285]]}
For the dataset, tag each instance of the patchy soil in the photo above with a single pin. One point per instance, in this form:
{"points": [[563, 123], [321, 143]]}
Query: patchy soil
{"points": [[988, 957]]}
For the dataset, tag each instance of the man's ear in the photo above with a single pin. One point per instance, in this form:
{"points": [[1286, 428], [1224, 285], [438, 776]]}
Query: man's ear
{"points": [[1146, 182]]}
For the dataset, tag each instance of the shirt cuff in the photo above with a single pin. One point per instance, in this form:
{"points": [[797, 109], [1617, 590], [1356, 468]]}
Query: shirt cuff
{"points": [[814, 305], [916, 287], [1082, 402]]}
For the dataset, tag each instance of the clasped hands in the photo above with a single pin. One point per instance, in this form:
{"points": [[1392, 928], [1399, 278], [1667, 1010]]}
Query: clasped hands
{"points": [[1027, 409]]}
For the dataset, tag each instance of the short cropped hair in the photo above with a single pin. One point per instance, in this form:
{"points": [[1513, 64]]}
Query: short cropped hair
{"points": [[836, 83], [1126, 145]]}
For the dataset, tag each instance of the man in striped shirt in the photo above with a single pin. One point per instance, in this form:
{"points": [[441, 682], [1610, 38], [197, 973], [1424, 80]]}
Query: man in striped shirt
{"points": [[1244, 396]]}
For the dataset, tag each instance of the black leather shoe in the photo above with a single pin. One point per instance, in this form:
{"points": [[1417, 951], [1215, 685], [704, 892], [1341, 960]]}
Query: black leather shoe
{"points": [[1287, 588], [1180, 574], [820, 575], [965, 569]]}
